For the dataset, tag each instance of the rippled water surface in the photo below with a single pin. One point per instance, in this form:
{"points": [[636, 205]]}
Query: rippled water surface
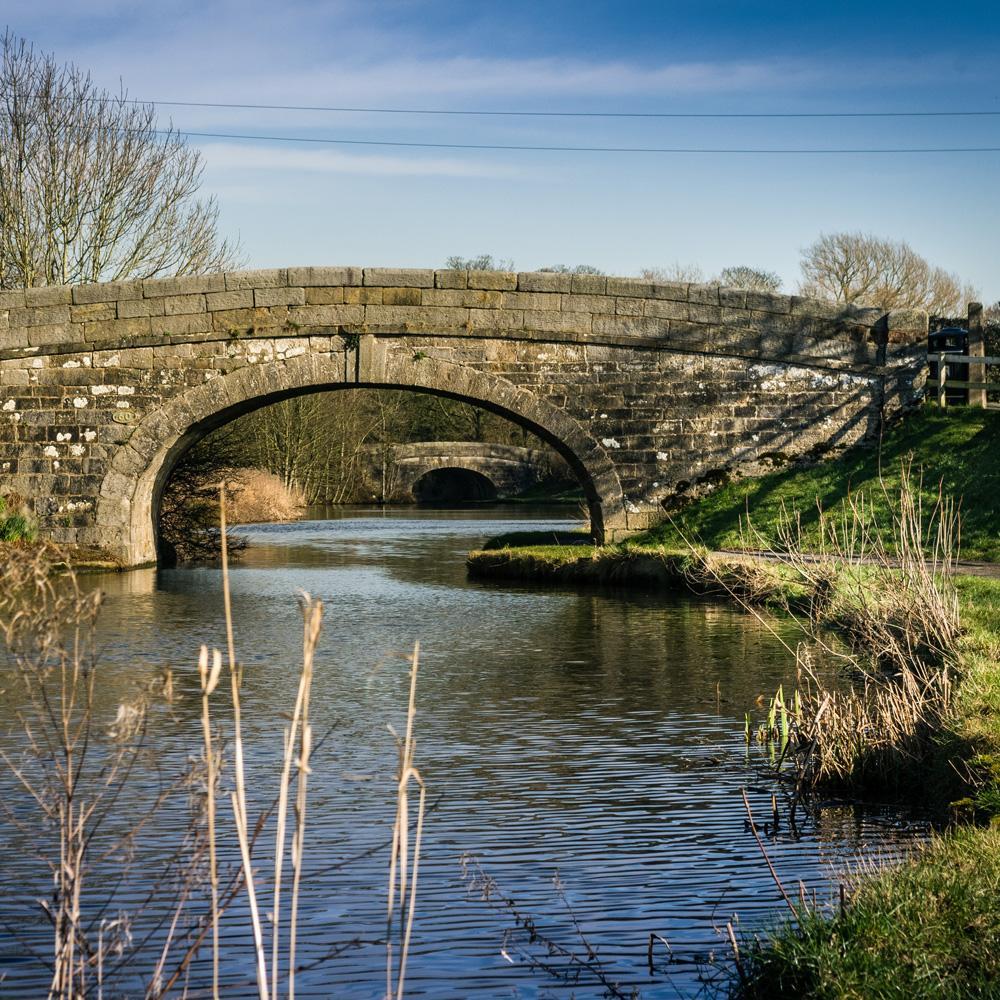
{"points": [[593, 734]]}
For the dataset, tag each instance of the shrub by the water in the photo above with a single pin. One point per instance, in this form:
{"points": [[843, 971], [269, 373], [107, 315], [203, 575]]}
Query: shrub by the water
{"points": [[257, 496], [15, 526], [927, 929]]}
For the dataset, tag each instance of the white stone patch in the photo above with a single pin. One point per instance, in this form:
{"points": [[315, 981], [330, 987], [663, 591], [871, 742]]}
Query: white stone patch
{"points": [[55, 466], [604, 416], [50, 451], [71, 364], [610, 443], [90, 435], [77, 450], [754, 437], [101, 390], [771, 376], [72, 505], [631, 507], [79, 402], [37, 363], [292, 352], [10, 405], [113, 362], [662, 456], [126, 390], [64, 435], [258, 352], [122, 404]]}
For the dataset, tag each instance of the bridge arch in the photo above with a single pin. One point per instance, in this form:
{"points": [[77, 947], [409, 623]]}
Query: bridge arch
{"points": [[453, 483], [128, 506]]}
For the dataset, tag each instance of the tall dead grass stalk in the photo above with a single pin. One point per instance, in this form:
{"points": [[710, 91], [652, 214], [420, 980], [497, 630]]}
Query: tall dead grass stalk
{"points": [[209, 679], [888, 588], [400, 843]]}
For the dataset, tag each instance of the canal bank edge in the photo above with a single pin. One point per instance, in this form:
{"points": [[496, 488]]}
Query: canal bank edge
{"points": [[900, 929], [919, 929]]}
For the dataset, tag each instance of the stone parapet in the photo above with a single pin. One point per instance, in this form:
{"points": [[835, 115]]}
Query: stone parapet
{"points": [[315, 300]]}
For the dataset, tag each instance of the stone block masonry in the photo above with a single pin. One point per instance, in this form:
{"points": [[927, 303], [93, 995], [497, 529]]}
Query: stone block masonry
{"points": [[650, 391]]}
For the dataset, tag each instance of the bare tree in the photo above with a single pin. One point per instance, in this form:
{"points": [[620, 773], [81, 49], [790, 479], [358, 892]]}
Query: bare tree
{"points": [[674, 272], [91, 188], [575, 269], [483, 262], [860, 268], [752, 278]]}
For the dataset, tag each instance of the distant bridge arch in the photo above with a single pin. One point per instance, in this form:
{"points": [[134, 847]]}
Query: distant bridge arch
{"points": [[453, 484], [399, 469]]}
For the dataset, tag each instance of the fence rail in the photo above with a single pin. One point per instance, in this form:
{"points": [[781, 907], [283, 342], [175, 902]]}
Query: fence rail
{"points": [[944, 361]]}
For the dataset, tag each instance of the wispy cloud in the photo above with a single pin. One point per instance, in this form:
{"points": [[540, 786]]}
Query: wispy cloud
{"points": [[235, 157]]}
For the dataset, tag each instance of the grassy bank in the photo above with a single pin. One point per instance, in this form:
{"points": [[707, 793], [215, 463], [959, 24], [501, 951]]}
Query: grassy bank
{"points": [[957, 450], [78, 558], [927, 929]]}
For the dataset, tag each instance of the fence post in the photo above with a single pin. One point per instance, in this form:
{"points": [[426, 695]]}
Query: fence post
{"points": [[977, 349], [942, 374]]}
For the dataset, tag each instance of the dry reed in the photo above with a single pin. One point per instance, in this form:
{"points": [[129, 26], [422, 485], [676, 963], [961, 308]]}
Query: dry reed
{"points": [[889, 590], [209, 681], [400, 842], [256, 496], [74, 769]]}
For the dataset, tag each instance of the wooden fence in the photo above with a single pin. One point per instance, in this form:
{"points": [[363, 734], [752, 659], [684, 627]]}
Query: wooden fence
{"points": [[974, 385]]}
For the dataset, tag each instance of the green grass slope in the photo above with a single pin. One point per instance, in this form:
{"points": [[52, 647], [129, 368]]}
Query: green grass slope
{"points": [[956, 451]]}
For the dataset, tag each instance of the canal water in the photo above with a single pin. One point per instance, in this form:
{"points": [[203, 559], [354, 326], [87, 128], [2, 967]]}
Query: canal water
{"points": [[583, 750]]}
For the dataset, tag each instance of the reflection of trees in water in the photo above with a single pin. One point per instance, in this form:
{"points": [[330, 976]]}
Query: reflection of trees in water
{"points": [[655, 651]]}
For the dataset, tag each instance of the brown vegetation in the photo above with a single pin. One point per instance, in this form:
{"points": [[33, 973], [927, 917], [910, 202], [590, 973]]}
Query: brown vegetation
{"points": [[76, 793], [256, 496]]}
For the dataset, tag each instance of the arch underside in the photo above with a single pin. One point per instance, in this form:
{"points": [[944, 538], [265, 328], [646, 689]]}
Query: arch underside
{"points": [[128, 507], [453, 484]]}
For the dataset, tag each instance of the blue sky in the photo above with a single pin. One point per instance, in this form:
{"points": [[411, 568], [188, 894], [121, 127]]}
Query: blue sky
{"points": [[313, 204]]}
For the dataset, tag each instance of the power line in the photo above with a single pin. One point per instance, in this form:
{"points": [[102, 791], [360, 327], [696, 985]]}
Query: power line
{"points": [[793, 151], [557, 114]]}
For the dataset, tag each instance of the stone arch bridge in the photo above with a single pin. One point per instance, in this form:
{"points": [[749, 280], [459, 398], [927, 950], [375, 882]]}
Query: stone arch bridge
{"points": [[648, 390], [406, 472]]}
